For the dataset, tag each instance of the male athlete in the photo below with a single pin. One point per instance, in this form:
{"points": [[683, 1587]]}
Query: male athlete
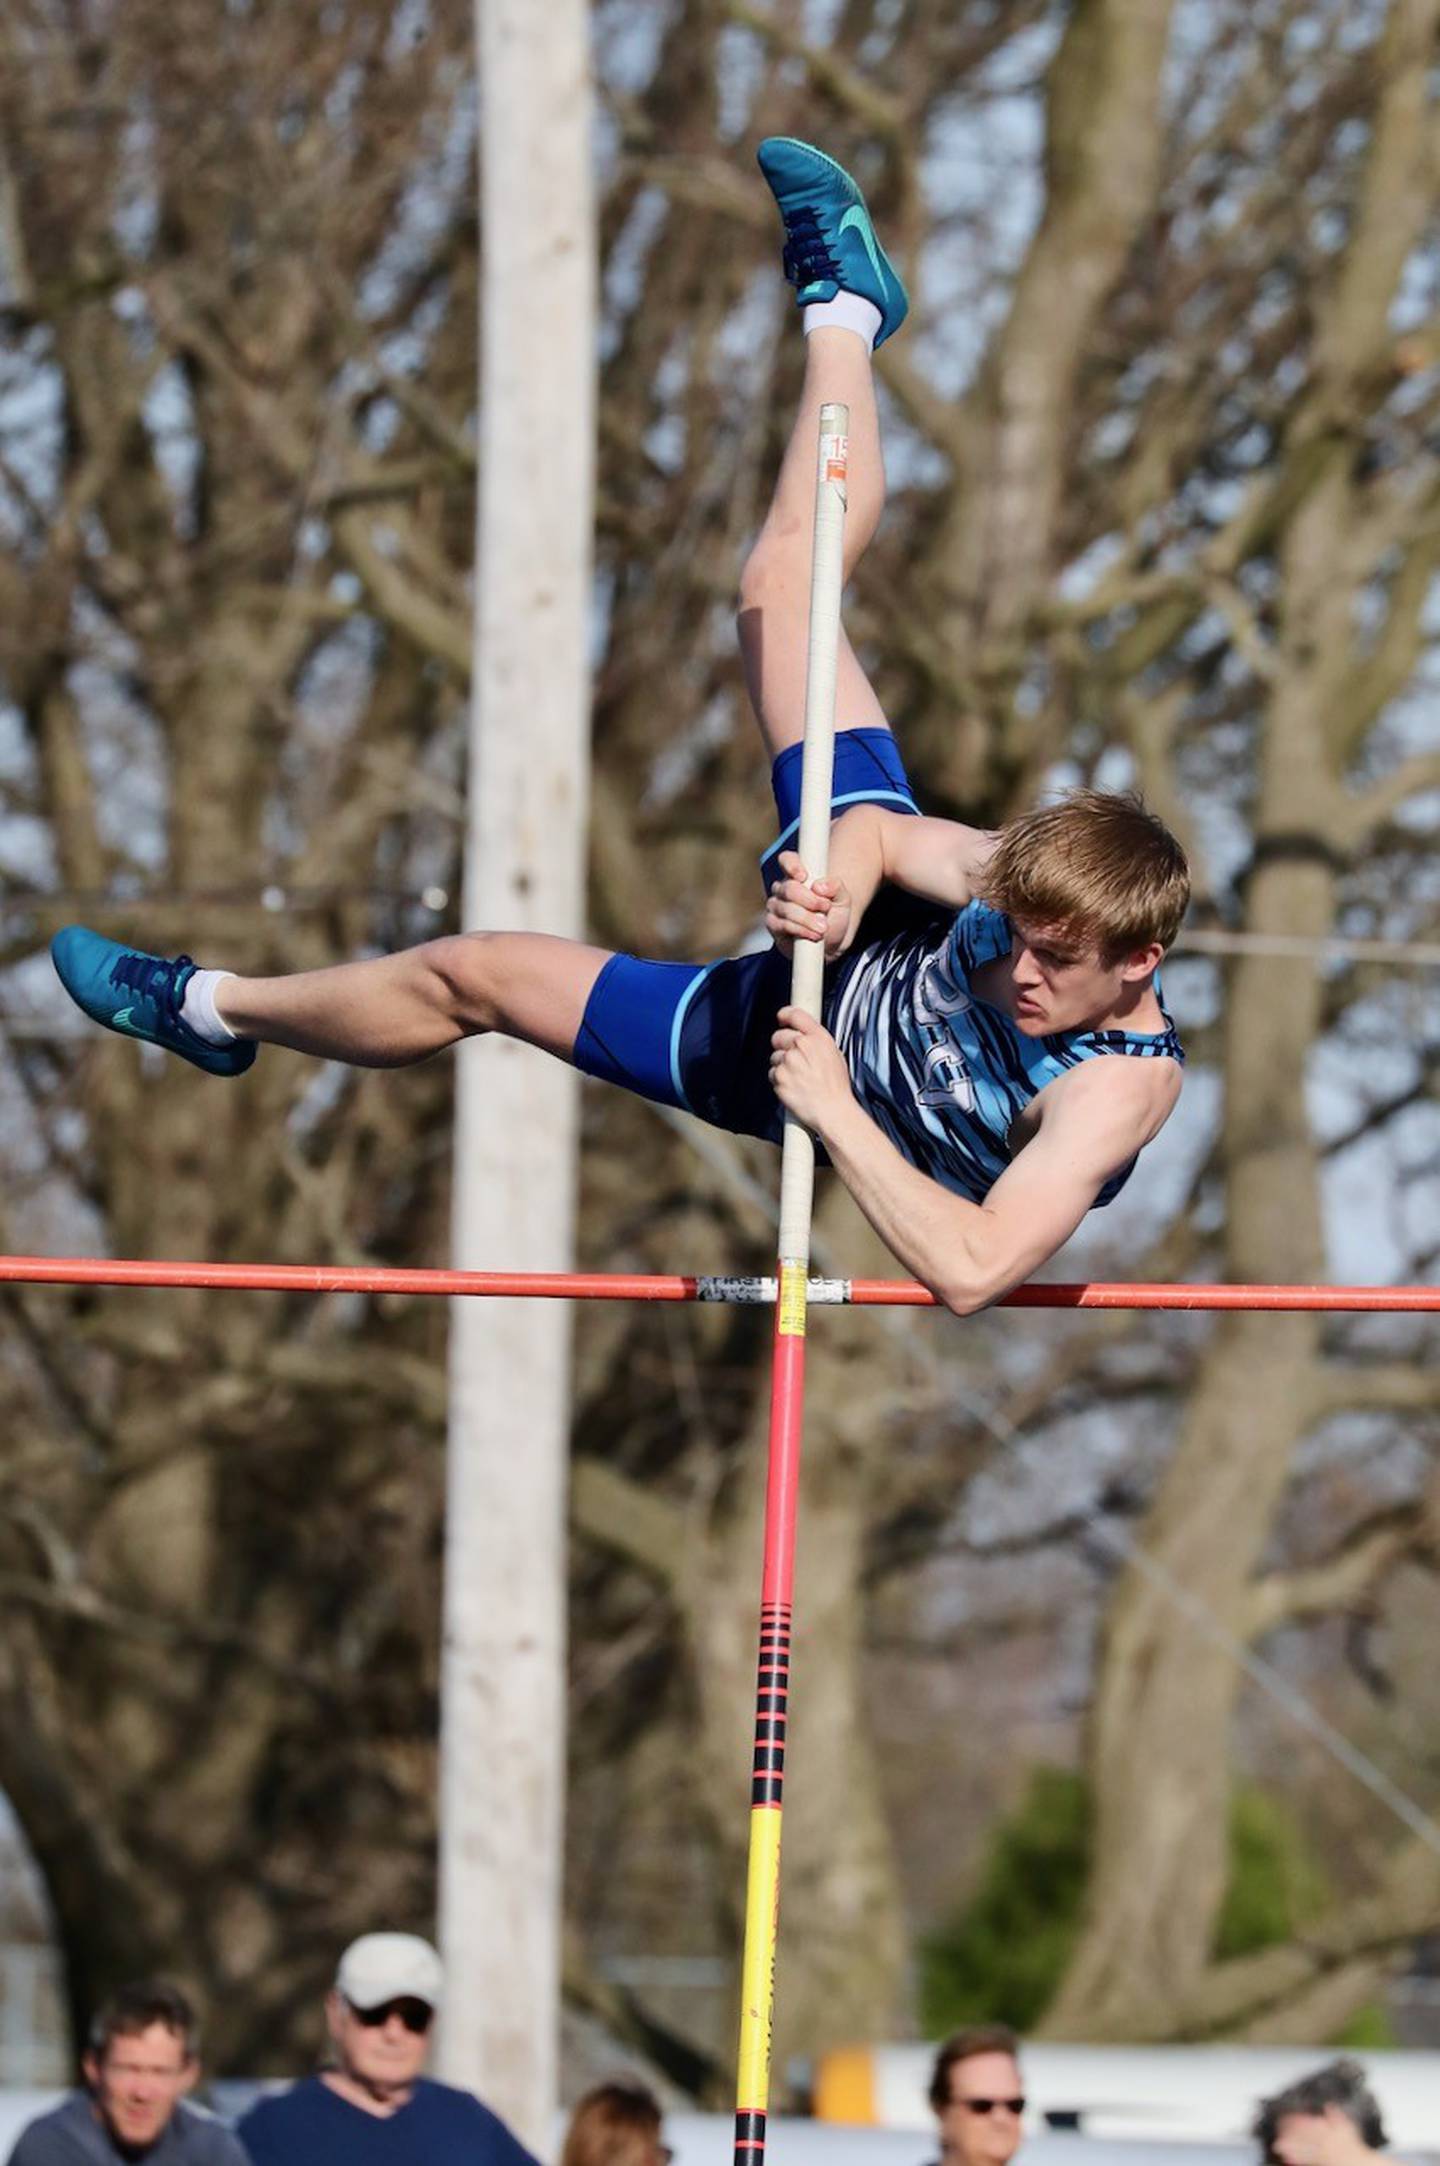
{"points": [[994, 1051]]}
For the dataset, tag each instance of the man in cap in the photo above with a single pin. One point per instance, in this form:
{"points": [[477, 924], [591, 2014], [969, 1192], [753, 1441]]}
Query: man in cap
{"points": [[371, 2106]]}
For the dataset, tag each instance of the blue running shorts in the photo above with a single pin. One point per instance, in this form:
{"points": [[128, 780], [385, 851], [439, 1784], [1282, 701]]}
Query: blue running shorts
{"points": [[698, 1035]]}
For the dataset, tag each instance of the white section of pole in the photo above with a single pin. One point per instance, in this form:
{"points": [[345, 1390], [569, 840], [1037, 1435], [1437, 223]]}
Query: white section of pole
{"points": [[502, 1714], [827, 581]]}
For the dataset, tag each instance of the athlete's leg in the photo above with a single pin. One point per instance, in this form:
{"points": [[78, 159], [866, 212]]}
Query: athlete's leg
{"points": [[680, 1034], [852, 298], [775, 584], [394, 1009], [381, 1013]]}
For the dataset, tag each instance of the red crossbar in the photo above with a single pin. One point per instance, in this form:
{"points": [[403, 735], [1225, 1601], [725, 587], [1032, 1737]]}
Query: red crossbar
{"points": [[642, 1286]]}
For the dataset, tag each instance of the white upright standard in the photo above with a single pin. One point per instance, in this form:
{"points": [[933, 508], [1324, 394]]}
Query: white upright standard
{"points": [[502, 1717]]}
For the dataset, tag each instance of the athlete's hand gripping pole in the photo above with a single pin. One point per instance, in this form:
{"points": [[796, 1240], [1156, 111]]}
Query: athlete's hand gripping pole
{"points": [[787, 1389]]}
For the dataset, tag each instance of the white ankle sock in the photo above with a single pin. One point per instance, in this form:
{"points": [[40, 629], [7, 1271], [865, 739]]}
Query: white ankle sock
{"points": [[198, 1009], [847, 312]]}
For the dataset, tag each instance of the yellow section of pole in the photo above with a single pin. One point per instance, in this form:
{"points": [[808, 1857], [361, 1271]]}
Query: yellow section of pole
{"points": [[757, 1976]]}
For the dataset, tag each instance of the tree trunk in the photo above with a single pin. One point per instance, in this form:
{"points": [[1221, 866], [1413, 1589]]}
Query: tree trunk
{"points": [[1160, 1726], [1161, 1720]]}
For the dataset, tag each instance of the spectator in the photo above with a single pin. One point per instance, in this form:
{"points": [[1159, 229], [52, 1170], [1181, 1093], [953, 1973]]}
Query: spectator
{"points": [[978, 2097], [372, 2106], [616, 2124], [142, 2058], [1329, 2118]]}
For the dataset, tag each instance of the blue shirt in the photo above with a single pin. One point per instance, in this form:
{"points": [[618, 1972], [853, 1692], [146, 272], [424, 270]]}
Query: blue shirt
{"points": [[944, 1073], [312, 2125]]}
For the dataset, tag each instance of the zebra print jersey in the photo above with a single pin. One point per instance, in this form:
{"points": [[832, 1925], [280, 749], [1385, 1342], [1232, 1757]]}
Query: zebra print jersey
{"points": [[943, 1073]]}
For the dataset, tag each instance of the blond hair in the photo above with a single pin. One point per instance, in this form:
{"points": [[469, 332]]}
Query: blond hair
{"points": [[1096, 862]]}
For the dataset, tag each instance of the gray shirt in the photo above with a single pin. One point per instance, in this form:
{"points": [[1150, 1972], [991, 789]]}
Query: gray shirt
{"points": [[72, 2135]]}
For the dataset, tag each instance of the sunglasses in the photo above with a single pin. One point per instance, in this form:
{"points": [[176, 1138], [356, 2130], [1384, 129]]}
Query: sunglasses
{"points": [[416, 2016], [991, 2105]]}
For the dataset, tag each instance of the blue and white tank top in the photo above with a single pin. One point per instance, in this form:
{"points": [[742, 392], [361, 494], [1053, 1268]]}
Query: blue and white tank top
{"points": [[943, 1073]]}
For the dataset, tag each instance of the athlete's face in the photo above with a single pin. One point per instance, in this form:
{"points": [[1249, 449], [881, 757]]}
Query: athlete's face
{"points": [[1057, 982]]}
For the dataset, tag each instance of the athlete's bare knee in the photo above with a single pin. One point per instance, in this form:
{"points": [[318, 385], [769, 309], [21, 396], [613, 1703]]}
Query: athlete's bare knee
{"points": [[779, 552], [752, 587], [775, 578]]}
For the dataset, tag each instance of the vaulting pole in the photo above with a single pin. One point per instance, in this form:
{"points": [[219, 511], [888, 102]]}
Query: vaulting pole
{"points": [[787, 1390]]}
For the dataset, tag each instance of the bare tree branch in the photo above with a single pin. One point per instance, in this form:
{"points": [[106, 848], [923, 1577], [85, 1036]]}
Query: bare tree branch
{"points": [[620, 1515], [1344, 1577]]}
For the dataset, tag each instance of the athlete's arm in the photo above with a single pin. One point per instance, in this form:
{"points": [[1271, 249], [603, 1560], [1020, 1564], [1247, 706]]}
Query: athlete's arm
{"points": [[943, 860], [939, 859], [1093, 1122]]}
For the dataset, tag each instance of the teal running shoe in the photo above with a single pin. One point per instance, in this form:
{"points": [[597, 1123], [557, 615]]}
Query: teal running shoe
{"points": [[139, 996], [830, 244]]}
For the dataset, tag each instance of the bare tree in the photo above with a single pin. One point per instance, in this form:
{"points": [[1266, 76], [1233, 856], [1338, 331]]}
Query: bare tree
{"points": [[1339, 513], [1163, 433], [1181, 534], [234, 523]]}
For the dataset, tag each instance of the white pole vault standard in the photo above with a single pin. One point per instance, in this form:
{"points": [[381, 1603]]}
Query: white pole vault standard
{"points": [[787, 1391], [502, 1730]]}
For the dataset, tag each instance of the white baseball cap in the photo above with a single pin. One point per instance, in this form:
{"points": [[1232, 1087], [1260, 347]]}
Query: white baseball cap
{"points": [[380, 1967]]}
